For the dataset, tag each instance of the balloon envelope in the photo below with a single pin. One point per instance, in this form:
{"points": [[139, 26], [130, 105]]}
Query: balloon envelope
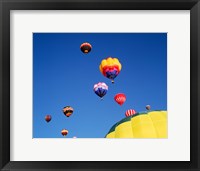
{"points": [[120, 98], [148, 107], [86, 47], [141, 125], [48, 118], [64, 132], [130, 112], [110, 68], [68, 110], [100, 89]]}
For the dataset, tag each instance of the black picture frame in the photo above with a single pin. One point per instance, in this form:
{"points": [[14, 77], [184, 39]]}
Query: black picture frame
{"points": [[7, 5]]}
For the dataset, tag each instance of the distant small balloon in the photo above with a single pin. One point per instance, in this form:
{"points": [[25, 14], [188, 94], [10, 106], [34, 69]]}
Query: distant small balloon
{"points": [[74, 137], [130, 112], [86, 47], [64, 132], [48, 118], [68, 110], [148, 107]]}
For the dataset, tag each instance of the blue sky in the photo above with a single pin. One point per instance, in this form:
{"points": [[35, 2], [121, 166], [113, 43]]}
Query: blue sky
{"points": [[63, 75]]}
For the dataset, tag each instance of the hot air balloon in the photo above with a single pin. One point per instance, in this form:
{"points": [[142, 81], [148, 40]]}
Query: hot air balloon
{"points": [[120, 98], [64, 132], [141, 125], [110, 68], [68, 110], [100, 89], [130, 112], [74, 137], [48, 118], [86, 47], [148, 107]]}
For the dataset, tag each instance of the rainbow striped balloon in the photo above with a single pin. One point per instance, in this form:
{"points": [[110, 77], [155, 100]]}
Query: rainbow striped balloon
{"points": [[110, 68]]}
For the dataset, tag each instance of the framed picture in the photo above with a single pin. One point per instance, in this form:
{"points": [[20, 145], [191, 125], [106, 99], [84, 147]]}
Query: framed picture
{"points": [[99, 85]]}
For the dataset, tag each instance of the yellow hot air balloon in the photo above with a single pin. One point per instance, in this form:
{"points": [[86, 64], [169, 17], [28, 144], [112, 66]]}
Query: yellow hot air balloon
{"points": [[151, 124], [110, 68]]}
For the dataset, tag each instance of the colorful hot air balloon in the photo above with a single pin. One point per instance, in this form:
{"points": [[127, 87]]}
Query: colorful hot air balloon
{"points": [[64, 132], [120, 98], [100, 89], [110, 68], [141, 125], [130, 112], [48, 118], [148, 107], [68, 110], [86, 47]]}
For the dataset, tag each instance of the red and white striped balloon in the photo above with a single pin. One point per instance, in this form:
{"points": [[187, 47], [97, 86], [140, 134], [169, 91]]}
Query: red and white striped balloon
{"points": [[130, 112]]}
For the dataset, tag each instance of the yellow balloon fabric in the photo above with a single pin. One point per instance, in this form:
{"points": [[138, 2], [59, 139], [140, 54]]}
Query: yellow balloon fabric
{"points": [[152, 124]]}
